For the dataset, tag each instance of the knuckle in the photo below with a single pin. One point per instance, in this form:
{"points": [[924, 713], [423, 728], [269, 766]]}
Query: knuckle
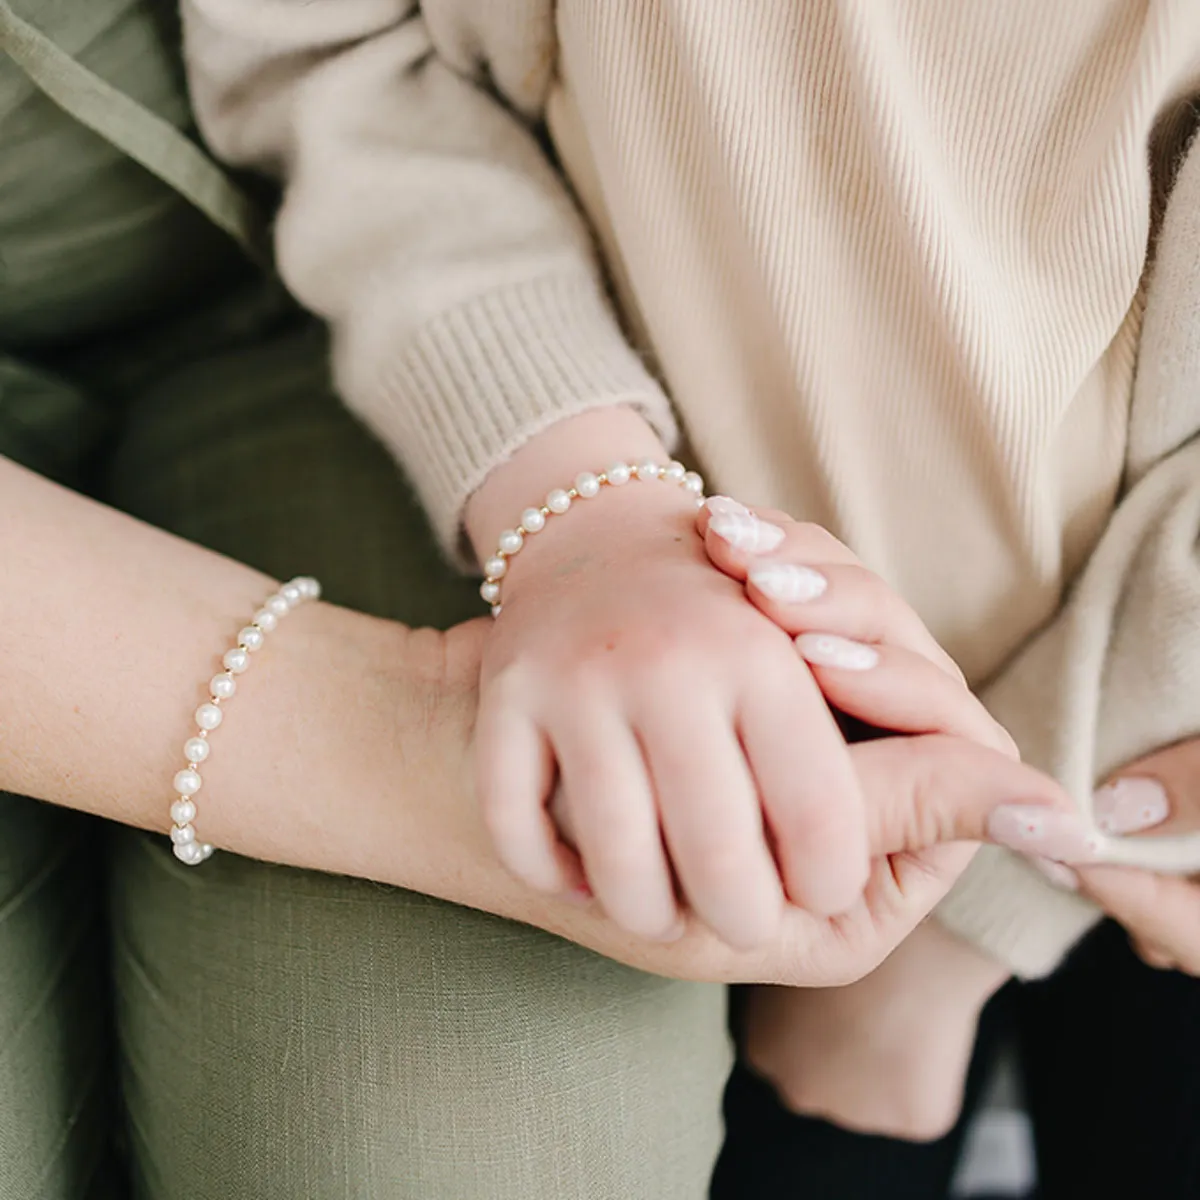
{"points": [[815, 824], [620, 855], [718, 864]]}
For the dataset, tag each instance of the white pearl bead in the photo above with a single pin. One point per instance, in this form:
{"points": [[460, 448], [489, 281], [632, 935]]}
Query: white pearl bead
{"points": [[693, 483], [511, 540], [206, 851], [189, 853], [188, 782], [196, 749], [222, 686], [533, 520], [496, 568], [674, 472], [292, 594], [181, 835], [490, 592], [265, 619], [236, 660], [587, 485], [209, 716], [277, 605], [495, 610], [183, 812], [617, 474], [308, 586], [558, 501], [250, 638], [646, 469]]}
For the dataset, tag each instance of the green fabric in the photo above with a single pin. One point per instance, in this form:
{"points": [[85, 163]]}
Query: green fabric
{"points": [[277, 1034], [132, 128], [73, 206]]}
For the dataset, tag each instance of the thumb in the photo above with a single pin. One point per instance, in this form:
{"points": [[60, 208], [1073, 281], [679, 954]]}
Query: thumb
{"points": [[921, 791]]}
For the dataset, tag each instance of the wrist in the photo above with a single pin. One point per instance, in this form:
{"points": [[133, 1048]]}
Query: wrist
{"points": [[589, 442]]}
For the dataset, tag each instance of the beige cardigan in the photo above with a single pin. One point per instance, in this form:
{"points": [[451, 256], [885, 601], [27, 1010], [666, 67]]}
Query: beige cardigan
{"points": [[470, 313]]}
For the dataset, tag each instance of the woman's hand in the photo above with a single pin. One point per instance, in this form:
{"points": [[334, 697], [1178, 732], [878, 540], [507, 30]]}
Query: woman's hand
{"points": [[1161, 912], [350, 746]]}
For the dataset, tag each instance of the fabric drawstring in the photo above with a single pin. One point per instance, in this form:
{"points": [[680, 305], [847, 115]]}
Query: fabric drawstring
{"points": [[136, 131]]}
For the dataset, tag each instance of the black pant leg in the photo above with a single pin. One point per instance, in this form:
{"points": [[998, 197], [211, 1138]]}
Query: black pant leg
{"points": [[773, 1154], [1111, 1051]]}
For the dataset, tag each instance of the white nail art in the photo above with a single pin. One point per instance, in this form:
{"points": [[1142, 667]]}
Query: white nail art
{"points": [[829, 650], [724, 504], [744, 531], [789, 583]]}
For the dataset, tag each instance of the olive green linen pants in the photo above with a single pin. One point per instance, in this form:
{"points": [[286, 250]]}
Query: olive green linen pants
{"points": [[287, 1034], [245, 1031]]}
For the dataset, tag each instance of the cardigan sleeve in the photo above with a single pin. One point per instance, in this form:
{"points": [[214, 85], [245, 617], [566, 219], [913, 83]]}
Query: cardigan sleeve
{"points": [[422, 220], [1116, 674]]}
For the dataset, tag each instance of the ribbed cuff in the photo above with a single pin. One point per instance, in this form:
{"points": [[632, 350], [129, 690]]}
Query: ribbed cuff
{"points": [[467, 389], [1003, 906]]}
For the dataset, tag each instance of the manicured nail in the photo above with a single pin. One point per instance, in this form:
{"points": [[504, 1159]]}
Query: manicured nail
{"points": [[1057, 873], [1130, 805], [1045, 832], [789, 583], [829, 650], [724, 504], [744, 531]]}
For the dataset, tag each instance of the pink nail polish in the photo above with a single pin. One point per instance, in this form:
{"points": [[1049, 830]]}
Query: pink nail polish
{"points": [[789, 583], [744, 531], [829, 650], [725, 504], [1046, 832], [1130, 805]]}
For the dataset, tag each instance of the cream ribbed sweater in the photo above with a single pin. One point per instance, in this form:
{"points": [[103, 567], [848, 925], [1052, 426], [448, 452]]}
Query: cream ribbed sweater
{"points": [[886, 259]]}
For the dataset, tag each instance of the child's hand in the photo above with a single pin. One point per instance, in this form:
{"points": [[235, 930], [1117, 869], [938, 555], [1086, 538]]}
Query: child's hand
{"points": [[677, 718], [886, 1055]]}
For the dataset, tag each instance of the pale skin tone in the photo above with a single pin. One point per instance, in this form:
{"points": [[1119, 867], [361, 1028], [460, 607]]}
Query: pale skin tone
{"points": [[620, 611], [889, 1054], [109, 630]]}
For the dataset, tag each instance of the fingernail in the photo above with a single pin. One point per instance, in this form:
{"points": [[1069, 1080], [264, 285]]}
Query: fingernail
{"points": [[829, 650], [788, 582], [724, 504], [744, 531], [1057, 873], [1130, 805], [1046, 832]]}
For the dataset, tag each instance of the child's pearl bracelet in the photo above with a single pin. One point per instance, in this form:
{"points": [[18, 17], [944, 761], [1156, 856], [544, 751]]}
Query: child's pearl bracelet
{"points": [[209, 715], [586, 487]]}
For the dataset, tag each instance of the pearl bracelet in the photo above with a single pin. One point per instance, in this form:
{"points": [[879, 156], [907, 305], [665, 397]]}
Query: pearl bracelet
{"points": [[586, 487], [209, 715]]}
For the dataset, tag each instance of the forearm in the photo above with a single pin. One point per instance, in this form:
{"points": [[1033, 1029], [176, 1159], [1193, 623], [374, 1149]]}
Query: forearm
{"points": [[344, 749]]}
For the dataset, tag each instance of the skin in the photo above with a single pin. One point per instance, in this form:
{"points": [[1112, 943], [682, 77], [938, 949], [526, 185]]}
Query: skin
{"points": [[889, 1053], [109, 627]]}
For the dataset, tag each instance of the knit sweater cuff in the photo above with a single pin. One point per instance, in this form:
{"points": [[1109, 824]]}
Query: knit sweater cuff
{"points": [[466, 389], [1006, 909]]}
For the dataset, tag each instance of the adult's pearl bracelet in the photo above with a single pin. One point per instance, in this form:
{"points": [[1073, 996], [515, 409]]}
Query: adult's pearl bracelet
{"points": [[587, 486], [188, 848]]}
